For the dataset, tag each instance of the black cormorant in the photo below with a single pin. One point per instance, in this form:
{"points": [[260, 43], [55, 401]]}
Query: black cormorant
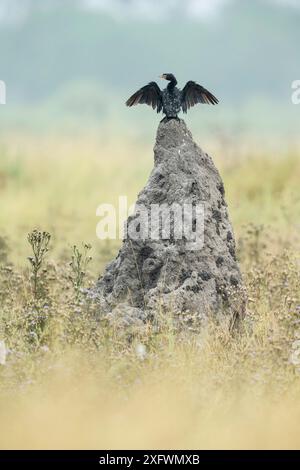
{"points": [[172, 100]]}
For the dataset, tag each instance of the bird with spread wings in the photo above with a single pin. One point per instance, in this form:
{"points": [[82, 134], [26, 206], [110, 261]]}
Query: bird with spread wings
{"points": [[172, 100]]}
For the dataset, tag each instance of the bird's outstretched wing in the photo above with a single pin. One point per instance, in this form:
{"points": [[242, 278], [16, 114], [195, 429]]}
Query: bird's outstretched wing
{"points": [[193, 94], [149, 94]]}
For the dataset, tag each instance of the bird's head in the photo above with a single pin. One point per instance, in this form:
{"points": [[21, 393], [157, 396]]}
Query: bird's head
{"points": [[168, 76]]}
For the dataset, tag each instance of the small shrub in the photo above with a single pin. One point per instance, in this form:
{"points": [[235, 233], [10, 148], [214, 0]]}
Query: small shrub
{"points": [[39, 242], [78, 265]]}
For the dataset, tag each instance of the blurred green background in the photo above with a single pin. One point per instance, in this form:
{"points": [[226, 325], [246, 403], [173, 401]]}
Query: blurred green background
{"points": [[70, 65]]}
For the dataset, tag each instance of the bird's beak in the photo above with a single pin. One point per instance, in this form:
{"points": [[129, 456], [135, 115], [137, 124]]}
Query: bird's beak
{"points": [[162, 76]]}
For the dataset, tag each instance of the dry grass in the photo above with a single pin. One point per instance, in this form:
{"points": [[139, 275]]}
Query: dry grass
{"points": [[72, 381]]}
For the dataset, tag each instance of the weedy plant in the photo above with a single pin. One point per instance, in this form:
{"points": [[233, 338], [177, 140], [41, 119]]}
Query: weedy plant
{"points": [[3, 250], [39, 242]]}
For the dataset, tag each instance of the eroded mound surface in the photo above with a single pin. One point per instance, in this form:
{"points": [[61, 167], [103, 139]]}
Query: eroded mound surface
{"points": [[197, 272]]}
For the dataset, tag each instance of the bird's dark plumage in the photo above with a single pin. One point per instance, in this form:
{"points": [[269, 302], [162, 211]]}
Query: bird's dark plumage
{"points": [[149, 94], [193, 94], [172, 100]]}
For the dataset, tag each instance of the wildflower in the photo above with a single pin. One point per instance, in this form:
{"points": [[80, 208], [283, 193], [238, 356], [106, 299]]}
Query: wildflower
{"points": [[3, 353]]}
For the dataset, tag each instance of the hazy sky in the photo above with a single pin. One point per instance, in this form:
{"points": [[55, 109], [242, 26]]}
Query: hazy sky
{"points": [[67, 61], [158, 9], [153, 10]]}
